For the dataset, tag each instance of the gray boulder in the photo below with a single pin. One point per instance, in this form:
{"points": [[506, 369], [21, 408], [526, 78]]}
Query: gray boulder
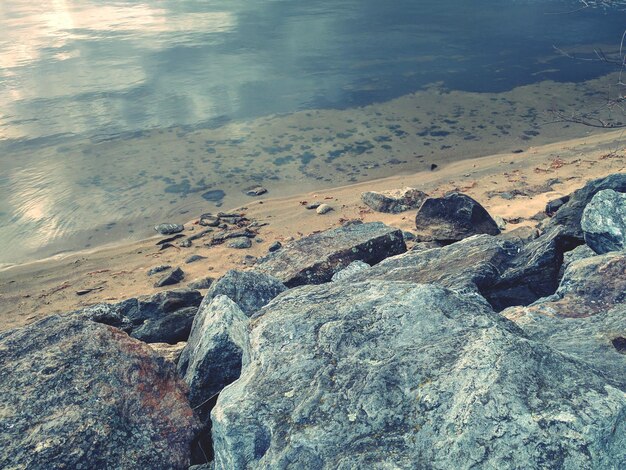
{"points": [[471, 265], [395, 201], [169, 229], [348, 271], [165, 317], [452, 218], [213, 355], [77, 394], [316, 258], [570, 214], [534, 273], [173, 276], [250, 290], [385, 374], [604, 222]]}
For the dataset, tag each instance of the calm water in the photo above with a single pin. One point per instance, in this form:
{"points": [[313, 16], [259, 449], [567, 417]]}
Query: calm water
{"points": [[92, 93]]}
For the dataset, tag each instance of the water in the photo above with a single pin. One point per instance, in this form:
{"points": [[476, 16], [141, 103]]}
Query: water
{"points": [[115, 115]]}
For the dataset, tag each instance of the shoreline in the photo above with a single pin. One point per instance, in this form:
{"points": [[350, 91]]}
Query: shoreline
{"points": [[32, 290]]}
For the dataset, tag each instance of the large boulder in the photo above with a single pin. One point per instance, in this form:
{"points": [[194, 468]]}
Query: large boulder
{"points": [[570, 214], [212, 359], [534, 273], [394, 201], [165, 317], [589, 286], [385, 374], [604, 222], [77, 394], [452, 218], [250, 290], [473, 264], [316, 258]]}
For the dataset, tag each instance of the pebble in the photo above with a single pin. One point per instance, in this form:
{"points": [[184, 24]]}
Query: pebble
{"points": [[194, 258], [323, 209], [240, 243], [256, 191], [209, 220], [169, 229], [313, 205], [275, 247], [158, 269], [172, 277]]}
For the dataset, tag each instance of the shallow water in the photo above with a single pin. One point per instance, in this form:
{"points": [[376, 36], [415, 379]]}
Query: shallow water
{"points": [[117, 115]]}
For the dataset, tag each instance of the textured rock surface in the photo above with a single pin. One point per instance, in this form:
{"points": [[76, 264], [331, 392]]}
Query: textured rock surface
{"points": [[578, 253], [534, 273], [394, 202], [165, 317], [570, 213], [171, 352], [171, 277], [250, 290], [212, 358], [316, 258], [472, 264], [169, 229], [604, 222], [76, 394], [589, 286], [451, 218], [350, 270], [594, 339], [393, 375]]}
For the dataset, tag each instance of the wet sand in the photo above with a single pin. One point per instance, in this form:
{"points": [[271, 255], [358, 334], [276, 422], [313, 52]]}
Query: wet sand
{"points": [[83, 194], [31, 291]]}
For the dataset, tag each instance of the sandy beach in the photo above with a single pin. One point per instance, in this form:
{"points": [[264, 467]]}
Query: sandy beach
{"points": [[514, 186]]}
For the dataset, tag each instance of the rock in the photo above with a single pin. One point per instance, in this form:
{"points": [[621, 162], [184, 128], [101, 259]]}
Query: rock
{"points": [[471, 265], [316, 258], [250, 290], [173, 276], [158, 269], [194, 258], [202, 283], [186, 243], [589, 286], [240, 243], [553, 206], [209, 220], [394, 202], [216, 196], [452, 218], [222, 237], [534, 273], [313, 205], [500, 222], [386, 374], [169, 229], [147, 318], [578, 253], [569, 215], [275, 247], [408, 236], [213, 356], [604, 222], [350, 270], [77, 394], [323, 209], [256, 191], [170, 352]]}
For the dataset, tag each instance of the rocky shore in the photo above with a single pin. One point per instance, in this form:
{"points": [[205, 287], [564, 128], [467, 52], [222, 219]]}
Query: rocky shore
{"points": [[447, 343]]}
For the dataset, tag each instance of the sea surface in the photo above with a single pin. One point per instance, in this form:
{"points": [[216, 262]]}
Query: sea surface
{"points": [[115, 116]]}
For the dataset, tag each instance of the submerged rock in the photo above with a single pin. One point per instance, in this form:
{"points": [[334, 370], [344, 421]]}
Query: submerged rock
{"points": [[452, 218], [316, 258], [250, 290], [385, 374], [604, 222], [394, 202], [169, 229], [76, 394], [570, 214], [165, 317]]}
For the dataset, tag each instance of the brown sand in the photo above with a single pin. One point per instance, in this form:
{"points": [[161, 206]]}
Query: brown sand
{"points": [[31, 291]]}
